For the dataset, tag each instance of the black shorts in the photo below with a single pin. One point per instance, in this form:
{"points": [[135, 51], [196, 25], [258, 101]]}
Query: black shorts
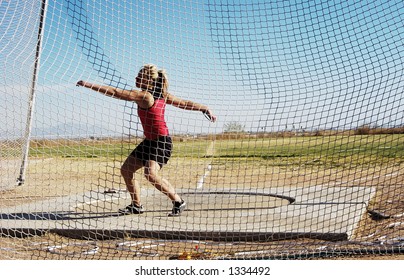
{"points": [[158, 150]]}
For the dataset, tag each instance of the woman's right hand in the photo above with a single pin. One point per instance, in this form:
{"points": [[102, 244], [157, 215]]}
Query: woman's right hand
{"points": [[80, 83]]}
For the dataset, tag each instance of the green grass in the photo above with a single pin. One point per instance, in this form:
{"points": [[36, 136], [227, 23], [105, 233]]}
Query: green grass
{"points": [[334, 151], [381, 146], [81, 151], [330, 150]]}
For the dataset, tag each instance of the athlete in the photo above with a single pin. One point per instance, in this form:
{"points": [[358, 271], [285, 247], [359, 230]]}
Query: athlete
{"points": [[155, 150]]}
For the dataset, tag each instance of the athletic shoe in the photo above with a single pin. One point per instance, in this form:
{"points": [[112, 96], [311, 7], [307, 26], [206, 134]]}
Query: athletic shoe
{"points": [[178, 207], [131, 209]]}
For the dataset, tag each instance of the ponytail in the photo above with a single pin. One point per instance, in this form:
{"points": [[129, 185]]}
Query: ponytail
{"points": [[160, 80]]}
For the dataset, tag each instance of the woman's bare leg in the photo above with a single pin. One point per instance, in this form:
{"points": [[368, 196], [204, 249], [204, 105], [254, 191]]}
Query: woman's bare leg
{"points": [[151, 173], [128, 170]]}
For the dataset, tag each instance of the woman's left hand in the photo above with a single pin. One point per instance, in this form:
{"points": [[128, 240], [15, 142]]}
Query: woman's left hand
{"points": [[209, 115]]}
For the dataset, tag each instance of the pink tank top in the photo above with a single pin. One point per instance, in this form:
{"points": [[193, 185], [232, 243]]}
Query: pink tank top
{"points": [[152, 119]]}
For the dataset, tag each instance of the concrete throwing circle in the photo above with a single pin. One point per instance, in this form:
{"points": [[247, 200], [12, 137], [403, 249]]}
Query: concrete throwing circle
{"points": [[326, 212], [196, 201], [234, 200]]}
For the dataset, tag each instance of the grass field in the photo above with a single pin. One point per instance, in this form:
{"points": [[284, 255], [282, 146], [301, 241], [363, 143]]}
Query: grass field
{"points": [[353, 150]]}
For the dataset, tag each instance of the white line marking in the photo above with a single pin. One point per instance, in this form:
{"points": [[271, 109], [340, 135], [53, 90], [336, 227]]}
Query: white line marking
{"points": [[209, 152], [201, 180]]}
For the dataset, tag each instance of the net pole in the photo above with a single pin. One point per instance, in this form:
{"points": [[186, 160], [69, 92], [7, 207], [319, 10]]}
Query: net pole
{"points": [[31, 104]]}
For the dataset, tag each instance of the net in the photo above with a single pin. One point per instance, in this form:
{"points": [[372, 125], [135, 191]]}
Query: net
{"points": [[305, 159]]}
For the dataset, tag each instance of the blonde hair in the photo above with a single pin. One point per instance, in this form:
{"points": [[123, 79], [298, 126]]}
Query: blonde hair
{"points": [[159, 77]]}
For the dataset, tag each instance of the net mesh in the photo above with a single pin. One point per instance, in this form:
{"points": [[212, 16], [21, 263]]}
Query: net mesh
{"points": [[305, 159]]}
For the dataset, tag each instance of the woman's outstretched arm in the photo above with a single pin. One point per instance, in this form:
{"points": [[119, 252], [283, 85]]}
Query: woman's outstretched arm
{"points": [[189, 105], [143, 98]]}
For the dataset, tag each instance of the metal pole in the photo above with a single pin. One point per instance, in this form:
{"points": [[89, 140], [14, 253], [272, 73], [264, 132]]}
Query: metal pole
{"points": [[31, 104]]}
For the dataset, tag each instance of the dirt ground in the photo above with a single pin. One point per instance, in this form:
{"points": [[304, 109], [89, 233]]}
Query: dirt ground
{"points": [[380, 234]]}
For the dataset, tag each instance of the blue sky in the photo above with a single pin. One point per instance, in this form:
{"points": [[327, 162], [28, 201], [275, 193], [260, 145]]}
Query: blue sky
{"points": [[326, 63], [270, 65]]}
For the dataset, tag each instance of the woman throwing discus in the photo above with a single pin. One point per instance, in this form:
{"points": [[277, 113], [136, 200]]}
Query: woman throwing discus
{"points": [[155, 150]]}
